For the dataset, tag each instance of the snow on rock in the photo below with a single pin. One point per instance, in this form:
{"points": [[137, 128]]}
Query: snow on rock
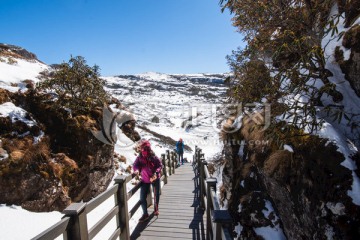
{"points": [[346, 148], [15, 113], [288, 148], [350, 100], [238, 229], [336, 208], [270, 232]]}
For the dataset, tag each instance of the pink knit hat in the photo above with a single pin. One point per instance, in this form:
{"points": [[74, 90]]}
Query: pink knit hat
{"points": [[144, 143]]}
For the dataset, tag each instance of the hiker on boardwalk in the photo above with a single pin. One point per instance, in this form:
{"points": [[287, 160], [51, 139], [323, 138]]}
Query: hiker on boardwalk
{"points": [[180, 150], [149, 166]]}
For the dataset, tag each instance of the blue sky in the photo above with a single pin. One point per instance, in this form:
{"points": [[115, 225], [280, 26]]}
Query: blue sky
{"points": [[124, 37]]}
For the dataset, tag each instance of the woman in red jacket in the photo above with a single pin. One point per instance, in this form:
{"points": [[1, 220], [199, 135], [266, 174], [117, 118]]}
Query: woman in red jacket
{"points": [[149, 166]]}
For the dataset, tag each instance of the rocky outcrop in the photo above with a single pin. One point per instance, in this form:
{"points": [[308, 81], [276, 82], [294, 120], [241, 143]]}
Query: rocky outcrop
{"points": [[307, 186], [351, 67], [16, 52], [57, 160]]}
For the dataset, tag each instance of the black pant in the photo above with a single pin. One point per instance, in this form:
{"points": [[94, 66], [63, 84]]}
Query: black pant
{"points": [[181, 157], [144, 190]]}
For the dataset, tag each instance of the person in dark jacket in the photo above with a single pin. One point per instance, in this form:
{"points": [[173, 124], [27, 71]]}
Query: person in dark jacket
{"points": [[149, 166], [180, 150]]}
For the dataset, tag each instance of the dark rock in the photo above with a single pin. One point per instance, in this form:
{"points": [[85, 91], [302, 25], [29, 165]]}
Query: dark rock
{"points": [[5, 96], [128, 128], [351, 67], [18, 52], [308, 188], [155, 119]]}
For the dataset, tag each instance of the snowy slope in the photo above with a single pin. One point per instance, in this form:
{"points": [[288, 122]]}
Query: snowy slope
{"points": [[185, 105], [12, 75]]}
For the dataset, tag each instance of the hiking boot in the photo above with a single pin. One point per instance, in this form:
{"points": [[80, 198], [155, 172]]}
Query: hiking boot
{"points": [[156, 213], [144, 218]]}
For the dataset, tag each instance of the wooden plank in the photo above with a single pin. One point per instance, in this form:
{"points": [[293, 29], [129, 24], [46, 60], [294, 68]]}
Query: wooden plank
{"points": [[169, 229], [158, 238], [167, 234], [180, 217], [91, 205], [176, 203], [180, 224], [175, 218], [102, 222], [179, 207], [181, 221], [54, 231]]}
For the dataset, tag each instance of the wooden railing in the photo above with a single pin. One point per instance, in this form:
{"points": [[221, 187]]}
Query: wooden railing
{"points": [[73, 224], [218, 222]]}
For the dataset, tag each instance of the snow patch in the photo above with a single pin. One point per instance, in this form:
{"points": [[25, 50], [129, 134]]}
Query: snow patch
{"points": [[14, 74], [346, 148], [288, 148], [329, 232], [37, 139], [270, 233], [242, 183], [238, 229], [336, 208], [15, 113], [31, 223]]}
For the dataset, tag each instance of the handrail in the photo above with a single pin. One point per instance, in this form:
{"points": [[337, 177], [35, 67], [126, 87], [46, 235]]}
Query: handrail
{"points": [[93, 203], [218, 221], [55, 230], [74, 224]]}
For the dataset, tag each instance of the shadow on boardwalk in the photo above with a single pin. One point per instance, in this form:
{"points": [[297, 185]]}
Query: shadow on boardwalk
{"points": [[180, 216]]}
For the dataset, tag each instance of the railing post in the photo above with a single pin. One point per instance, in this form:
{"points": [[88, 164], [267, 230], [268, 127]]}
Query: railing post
{"points": [[173, 157], [78, 228], [198, 156], [169, 161], [121, 201], [211, 183], [176, 158], [194, 156], [201, 167], [164, 168], [221, 218]]}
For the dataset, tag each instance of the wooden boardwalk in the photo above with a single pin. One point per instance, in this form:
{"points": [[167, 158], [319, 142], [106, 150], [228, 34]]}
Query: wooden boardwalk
{"points": [[180, 216]]}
